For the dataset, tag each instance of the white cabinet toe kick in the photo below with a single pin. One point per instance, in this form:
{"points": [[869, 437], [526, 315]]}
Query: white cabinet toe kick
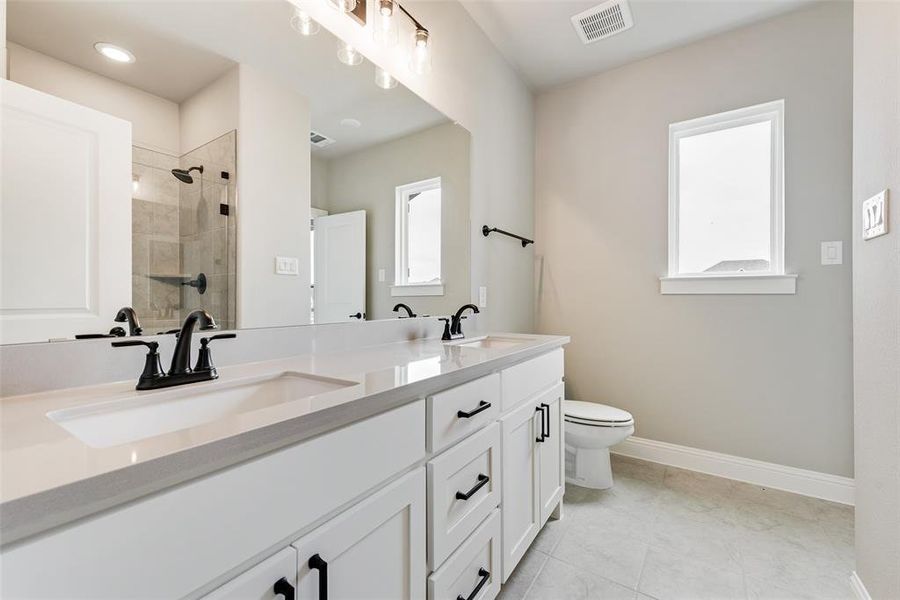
{"points": [[439, 498]]}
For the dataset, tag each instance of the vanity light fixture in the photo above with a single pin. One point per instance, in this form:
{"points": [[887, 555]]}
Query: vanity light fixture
{"points": [[385, 30], [383, 79], [303, 24], [347, 6], [420, 57], [348, 55], [135, 183], [114, 53]]}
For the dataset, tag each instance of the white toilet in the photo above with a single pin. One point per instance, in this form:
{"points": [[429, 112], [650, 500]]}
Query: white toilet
{"points": [[590, 430]]}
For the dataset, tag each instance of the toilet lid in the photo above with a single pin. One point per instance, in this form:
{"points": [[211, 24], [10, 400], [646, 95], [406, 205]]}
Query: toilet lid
{"points": [[596, 413]]}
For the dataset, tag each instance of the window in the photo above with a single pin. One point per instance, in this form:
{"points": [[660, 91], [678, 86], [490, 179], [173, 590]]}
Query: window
{"points": [[418, 239], [726, 208]]}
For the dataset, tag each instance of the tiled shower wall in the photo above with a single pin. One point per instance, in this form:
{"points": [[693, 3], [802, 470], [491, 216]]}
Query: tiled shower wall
{"points": [[207, 236], [177, 233], [155, 255]]}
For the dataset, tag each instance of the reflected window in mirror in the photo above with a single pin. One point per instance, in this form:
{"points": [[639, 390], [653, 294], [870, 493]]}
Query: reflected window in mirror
{"points": [[418, 237]]}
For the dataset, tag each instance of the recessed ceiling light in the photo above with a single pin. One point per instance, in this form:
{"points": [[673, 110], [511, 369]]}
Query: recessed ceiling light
{"points": [[350, 123], [114, 53]]}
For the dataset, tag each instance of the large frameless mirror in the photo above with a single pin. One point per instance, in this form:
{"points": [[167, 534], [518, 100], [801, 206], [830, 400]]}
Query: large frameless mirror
{"points": [[169, 156]]}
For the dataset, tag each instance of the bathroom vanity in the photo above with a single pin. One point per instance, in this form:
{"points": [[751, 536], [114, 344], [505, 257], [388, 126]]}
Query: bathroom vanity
{"points": [[408, 470]]}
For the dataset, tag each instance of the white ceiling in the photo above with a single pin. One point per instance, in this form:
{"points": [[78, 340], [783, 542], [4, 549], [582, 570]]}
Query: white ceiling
{"points": [[538, 39], [182, 46]]}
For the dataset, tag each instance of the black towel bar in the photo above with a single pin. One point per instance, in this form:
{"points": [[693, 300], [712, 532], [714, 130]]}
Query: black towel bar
{"points": [[486, 231]]}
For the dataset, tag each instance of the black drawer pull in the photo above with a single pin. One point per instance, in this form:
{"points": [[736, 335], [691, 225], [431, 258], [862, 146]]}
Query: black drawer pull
{"points": [[482, 406], [485, 575], [482, 481], [283, 587], [317, 562], [547, 407], [540, 410]]}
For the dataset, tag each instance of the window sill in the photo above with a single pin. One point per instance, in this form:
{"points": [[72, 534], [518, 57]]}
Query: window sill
{"points": [[428, 289], [729, 284]]}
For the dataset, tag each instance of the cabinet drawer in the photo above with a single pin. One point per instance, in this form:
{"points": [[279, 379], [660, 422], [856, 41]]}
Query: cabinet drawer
{"points": [[463, 487], [447, 410], [522, 381], [476, 560], [272, 579]]}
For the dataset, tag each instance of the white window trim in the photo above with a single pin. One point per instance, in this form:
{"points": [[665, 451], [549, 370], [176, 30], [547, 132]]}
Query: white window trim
{"points": [[401, 286], [773, 281], [426, 289]]}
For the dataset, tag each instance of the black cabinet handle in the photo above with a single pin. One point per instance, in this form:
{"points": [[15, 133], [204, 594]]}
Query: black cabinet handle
{"points": [[317, 562], [283, 587], [482, 481], [540, 410], [482, 406], [485, 575], [547, 413], [358, 315]]}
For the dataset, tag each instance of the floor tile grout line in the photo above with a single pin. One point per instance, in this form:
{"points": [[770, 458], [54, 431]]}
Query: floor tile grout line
{"points": [[536, 575]]}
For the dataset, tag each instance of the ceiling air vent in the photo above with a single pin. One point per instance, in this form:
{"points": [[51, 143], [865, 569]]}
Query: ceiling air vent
{"points": [[318, 140], [603, 21]]}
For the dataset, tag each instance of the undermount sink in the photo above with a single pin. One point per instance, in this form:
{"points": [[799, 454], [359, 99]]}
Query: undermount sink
{"points": [[143, 415], [493, 342]]}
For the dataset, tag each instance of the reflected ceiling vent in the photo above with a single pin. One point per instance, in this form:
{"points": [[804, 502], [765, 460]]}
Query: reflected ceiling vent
{"points": [[318, 140], [603, 21]]}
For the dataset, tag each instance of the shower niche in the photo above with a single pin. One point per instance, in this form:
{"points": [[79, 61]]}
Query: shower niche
{"points": [[184, 234]]}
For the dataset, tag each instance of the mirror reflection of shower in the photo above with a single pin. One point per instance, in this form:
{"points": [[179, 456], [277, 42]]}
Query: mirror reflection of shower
{"points": [[184, 176], [184, 233]]}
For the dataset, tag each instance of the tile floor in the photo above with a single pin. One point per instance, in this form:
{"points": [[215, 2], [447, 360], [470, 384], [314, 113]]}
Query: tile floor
{"points": [[665, 533]]}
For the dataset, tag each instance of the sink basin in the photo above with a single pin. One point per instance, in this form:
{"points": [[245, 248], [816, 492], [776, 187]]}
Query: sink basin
{"points": [[138, 416], [493, 342]]}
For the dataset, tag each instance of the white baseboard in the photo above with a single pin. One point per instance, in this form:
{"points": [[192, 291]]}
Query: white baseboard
{"points": [[858, 588], [790, 479]]}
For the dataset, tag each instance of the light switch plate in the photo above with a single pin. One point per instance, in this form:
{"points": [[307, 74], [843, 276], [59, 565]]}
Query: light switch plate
{"points": [[875, 215], [832, 253], [287, 265], [482, 297], [381, 275]]}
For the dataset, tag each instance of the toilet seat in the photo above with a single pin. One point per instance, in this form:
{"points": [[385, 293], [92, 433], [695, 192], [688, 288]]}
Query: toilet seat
{"points": [[592, 414]]}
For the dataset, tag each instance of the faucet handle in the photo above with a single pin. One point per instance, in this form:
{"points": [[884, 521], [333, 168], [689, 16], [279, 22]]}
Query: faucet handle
{"points": [[204, 358], [152, 366], [446, 335]]}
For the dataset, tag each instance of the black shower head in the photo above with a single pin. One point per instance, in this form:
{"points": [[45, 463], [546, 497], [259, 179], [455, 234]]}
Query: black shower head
{"points": [[184, 175]]}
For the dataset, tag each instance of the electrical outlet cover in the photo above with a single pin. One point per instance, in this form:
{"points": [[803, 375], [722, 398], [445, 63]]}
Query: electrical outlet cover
{"points": [[875, 215]]}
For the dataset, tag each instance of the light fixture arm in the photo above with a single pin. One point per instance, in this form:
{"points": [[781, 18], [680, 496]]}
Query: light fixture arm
{"points": [[415, 21]]}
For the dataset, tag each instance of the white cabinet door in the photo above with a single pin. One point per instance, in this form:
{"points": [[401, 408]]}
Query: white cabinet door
{"points": [[375, 550], [520, 481], [273, 579], [552, 453], [340, 267], [65, 243]]}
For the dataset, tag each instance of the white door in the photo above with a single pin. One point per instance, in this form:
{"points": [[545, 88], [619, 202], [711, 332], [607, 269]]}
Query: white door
{"points": [[340, 267], [552, 454], [273, 579], [520, 480], [65, 217], [374, 550]]}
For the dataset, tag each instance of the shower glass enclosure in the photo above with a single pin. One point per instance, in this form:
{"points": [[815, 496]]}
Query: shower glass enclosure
{"points": [[183, 234]]}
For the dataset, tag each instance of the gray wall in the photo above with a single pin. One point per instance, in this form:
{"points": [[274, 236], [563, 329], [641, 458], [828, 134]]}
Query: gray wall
{"points": [[876, 298], [763, 377], [367, 180]]}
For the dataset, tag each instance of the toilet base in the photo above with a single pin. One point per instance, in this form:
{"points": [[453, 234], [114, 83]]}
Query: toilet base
{"points": [[589, 467]]}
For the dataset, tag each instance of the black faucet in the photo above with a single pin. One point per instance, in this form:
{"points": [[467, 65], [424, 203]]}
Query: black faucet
{"points": [[181, 358], [127, 314], [153, 377], [410, 314], [453, 327]]}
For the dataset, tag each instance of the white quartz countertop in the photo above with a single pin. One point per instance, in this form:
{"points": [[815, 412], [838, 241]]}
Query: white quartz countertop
{"points": [[49, 477]]}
